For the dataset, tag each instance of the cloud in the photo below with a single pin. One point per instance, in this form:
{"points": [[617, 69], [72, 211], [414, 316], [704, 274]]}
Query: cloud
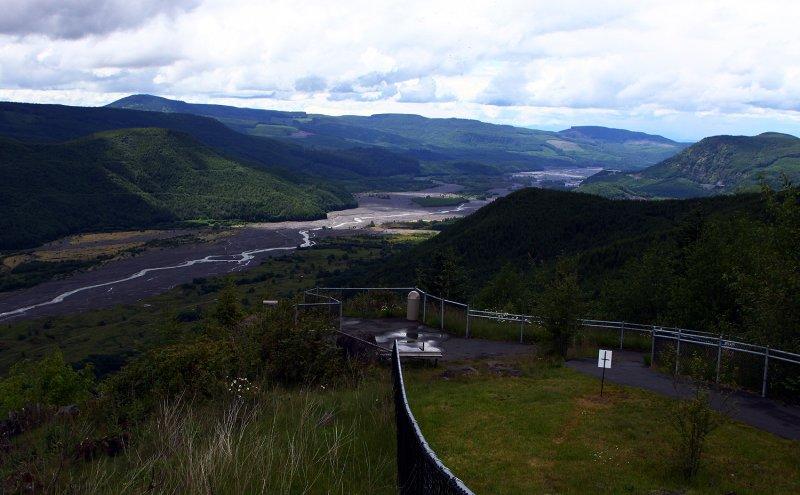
{"points": [[73, 19], [423, 91], [683, 65], [310, 84]]}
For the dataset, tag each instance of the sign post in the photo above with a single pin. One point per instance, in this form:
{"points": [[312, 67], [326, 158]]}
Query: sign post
{"points": [[603, 361]]}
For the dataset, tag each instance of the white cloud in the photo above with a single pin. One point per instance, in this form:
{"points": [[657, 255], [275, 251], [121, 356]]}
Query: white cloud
{"points": [[684, 68]]}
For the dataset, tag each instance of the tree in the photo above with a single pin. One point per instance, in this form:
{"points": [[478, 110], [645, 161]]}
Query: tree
{"points": [[49, 381], [228, 312], [560, 305], [444, 275]]}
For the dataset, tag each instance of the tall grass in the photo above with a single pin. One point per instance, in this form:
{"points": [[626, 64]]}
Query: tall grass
{"points": [[310, 441]]}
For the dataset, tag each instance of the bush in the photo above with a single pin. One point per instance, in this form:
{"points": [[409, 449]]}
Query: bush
{"points": [[198, 369], [49, 381], [301, 354]]}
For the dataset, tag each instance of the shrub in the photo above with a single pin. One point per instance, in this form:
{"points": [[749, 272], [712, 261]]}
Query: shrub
{"points": [[49, 381]]}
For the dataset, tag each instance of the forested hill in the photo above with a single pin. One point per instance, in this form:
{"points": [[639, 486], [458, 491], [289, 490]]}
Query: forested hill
{"points": [[440, 143], [715, 165], [537, 225], [135, 178], [54, 123], [727, 264]]}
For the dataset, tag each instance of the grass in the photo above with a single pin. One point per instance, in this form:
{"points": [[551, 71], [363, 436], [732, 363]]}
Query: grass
{"points": [[549, 432], [312, 441]]}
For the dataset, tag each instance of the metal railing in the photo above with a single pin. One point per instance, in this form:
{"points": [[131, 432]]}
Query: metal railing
{"points": [[681, 337], [419, 470]]}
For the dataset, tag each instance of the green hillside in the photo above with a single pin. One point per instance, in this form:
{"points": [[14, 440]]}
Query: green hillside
{"points": [[436, 142], [727, 264], [715, 165], [55, 123], [538, 225], [135, 178]]}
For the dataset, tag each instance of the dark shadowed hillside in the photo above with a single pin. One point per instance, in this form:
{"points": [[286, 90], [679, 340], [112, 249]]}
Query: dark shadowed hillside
{"points": [[136, 178], [53, 123]]}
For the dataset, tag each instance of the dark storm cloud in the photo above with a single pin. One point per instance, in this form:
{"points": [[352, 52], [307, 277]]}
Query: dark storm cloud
{"points": [[73, 19]]}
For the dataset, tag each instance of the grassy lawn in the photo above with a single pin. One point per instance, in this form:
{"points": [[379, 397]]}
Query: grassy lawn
{"points": [[549, 432]]}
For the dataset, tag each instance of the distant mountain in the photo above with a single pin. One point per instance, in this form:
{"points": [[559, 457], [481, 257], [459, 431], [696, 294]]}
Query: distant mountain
{"points": [[438, 143], [613, 135], [134, 178], [715, 165], [54, 123]]}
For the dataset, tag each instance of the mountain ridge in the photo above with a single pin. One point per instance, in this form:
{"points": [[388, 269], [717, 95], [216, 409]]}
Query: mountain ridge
{"points": [[437, 142], [714, 165]]}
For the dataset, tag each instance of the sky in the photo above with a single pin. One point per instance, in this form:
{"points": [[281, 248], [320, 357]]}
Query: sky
{"points": [[681, 69]]}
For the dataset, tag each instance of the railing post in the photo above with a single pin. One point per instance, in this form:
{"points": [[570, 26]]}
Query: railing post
{"points": [[424, 306], [652, 346], [340, 315], [678, 352], [521, 328], [766, 368], [621, 334], [467, 331], [719, 357], [441, 314]]}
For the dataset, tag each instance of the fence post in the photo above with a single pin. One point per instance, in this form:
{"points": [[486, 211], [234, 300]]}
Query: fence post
{"points": [[467, 320], [678, 352], [766, 368], [621, 334], [424, 306], [521, 328], [441, 314], [340, 316], [652, 346], [296, 309], [719, 357]]}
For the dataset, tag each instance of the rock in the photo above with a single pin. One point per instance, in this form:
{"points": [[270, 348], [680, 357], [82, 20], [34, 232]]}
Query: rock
{"points": [[67, 411], [502, 369], [326, 419], [457, 371]]}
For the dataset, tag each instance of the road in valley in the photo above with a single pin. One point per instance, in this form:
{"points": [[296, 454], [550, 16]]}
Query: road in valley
{"points": [[157, 270]]}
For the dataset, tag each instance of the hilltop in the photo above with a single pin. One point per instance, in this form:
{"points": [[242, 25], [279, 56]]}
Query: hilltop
{"points": [[439, 143], [715, 165]]}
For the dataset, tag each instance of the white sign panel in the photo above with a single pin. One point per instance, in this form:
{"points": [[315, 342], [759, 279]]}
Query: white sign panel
{"points": [[604, 359]]}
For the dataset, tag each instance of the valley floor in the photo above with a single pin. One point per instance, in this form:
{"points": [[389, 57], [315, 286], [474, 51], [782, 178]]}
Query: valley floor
{"points": [[58, 297]]}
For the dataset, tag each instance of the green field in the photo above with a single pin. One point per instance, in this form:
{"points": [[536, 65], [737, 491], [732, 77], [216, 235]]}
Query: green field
{"points": [[548, 431]]}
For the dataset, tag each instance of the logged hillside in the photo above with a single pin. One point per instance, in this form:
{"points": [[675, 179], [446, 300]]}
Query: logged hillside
{"points": [[55, 123], [438, 142], [136, 178], [715, 165]]}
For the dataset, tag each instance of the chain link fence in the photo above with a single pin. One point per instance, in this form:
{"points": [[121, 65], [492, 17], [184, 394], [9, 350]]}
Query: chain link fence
{"points": [[721, 360], [419, 470]]}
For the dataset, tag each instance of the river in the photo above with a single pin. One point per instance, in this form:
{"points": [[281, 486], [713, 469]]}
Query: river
{"points": [[155, 271]]}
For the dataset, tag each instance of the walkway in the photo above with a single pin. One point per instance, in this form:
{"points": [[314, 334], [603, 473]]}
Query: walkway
{"points": [[453, 348], [766, 414]]}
